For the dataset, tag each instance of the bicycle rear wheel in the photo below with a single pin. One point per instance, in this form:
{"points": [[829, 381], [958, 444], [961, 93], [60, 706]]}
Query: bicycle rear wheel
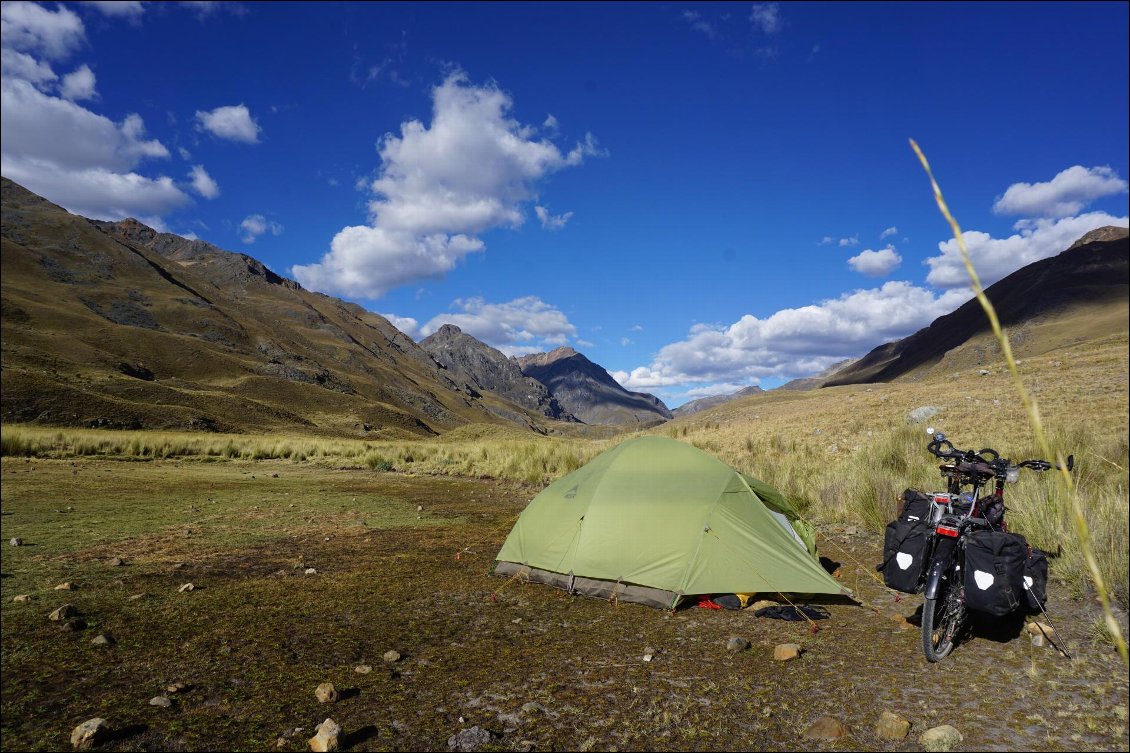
{"points": [[942, 621]]}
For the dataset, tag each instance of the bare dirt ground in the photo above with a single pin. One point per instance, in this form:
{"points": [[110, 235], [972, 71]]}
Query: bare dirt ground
{"points": [[401, 564]]}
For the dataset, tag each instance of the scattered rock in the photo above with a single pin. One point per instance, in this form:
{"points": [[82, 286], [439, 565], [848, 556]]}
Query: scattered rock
{"points": [[310, 571], [326, 693], [116, 562], [984, 372], [940, 739], [89, 733], [22, 598], [17, 541], [892, 726], [827, 728], [363, 669], [392, 656], [737, 643], [160, 700], [66, 586], [103, 639], [186, 587], [64, 612], [326, 737], [74, 626], [786, 651], [918, 415], [1039, 628], [135, 597], [176, 687], [902, 622], [468, 740]]}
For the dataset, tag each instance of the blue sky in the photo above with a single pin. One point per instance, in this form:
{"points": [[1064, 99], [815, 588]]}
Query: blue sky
{"points": [[698, 196]]}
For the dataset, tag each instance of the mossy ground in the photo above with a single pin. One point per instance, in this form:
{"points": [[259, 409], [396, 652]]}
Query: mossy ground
{"points": [[540, 669]]}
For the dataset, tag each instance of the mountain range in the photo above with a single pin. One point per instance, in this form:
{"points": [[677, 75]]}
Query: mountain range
{"points": [[114, 324]]}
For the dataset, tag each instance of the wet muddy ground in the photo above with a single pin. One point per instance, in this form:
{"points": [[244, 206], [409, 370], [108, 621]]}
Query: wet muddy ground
{"points": [[401, 564]]}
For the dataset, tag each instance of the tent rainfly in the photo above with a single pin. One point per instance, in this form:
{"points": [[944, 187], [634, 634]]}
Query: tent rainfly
{"points": [[654, 520]]}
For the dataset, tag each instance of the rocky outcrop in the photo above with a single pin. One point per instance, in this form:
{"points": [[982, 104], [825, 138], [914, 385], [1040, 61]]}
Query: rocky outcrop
{"points": [[480, 367], [589, 392], [703, 403]]}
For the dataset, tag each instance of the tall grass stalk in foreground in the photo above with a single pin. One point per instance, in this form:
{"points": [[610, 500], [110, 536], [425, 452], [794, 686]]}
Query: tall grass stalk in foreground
{"points": [[1030, 405]]}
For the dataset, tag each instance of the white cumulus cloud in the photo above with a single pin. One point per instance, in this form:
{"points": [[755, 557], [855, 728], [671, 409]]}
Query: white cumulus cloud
{"points": [[78, 84], [57, 148], [523, 325], [255, 225], [231, 122], [438, 187], [794, 342], [994, 258], [876, 263], [1066, 194], [203, 182], [550, 221], [40, 31]]}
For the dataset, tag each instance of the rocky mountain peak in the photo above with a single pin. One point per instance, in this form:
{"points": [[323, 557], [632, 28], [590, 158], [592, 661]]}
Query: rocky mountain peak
{"points": [[1102, 234]]}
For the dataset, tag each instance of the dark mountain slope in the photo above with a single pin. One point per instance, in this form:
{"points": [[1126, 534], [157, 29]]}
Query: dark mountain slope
{"points": [[589, 392], [1079, 294]]}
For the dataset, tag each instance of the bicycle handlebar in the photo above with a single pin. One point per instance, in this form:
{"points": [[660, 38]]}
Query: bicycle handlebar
{"points": [[941, 447]]}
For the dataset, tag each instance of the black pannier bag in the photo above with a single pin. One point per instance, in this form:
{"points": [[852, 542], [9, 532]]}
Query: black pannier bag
{"points": [[1036, 579], [904, 544], [994, 572]]}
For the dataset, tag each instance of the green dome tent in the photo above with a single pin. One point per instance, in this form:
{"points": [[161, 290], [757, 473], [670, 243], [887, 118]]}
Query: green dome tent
{"points": [[653, 520]]}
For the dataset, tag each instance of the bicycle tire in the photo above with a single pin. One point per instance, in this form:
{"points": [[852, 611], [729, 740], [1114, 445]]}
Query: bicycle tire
{"points": [[942, 620]]}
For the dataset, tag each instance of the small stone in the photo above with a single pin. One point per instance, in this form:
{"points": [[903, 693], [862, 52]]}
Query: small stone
{"points": [[940, 739], [786, 651], [363, 669], [1038, 640], [89, 733], [103, 639], [176, 687], [468, 740], [827, 728], [135, 597], [533, 707], [17, 541], [66, 586], [892, 726], [419, 508], [392, 656], [160, 700], [22, 598], [116, 562], [737, 643], [326, 693], [186, 587], [326, 737], [74, 626], [310, 571], [1040, 629], [64, 612]]}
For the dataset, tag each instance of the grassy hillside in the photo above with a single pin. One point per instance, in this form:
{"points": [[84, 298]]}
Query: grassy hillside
{"points": [[842, 454]]}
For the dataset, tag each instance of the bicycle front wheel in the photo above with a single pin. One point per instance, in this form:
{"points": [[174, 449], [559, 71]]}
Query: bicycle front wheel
{"points": [[942, 620]]}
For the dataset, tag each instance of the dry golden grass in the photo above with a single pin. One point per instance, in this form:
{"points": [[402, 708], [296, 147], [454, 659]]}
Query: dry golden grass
{"points": [[842, 454]]}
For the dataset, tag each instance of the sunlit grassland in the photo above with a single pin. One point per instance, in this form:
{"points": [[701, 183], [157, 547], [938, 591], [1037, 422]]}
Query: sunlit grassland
{"points": [[842, 454]]}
